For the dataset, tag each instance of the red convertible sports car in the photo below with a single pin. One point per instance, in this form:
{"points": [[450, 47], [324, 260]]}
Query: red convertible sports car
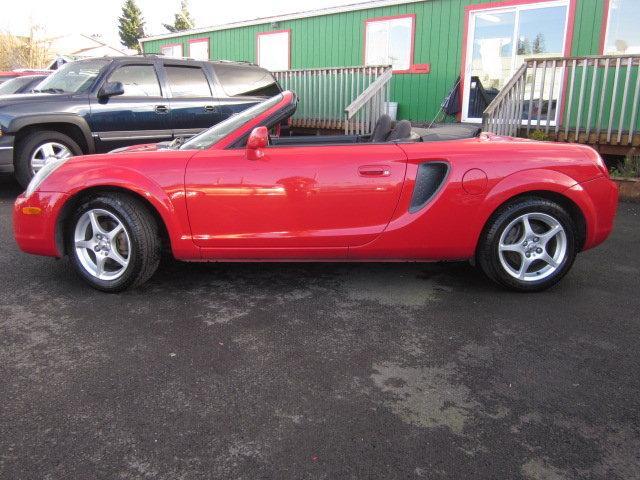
{"points": [[519, 209]]}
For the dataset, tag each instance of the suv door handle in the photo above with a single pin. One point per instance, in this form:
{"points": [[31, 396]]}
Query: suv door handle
{"points": [[374, 171], [162, 109], [210, 108]]}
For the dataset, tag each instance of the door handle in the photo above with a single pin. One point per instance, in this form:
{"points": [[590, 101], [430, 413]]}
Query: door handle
{"points": [[374, 171], [210, 108], [162, 109]]}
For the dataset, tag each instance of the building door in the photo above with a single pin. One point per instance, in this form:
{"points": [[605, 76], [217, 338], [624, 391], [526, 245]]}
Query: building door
{"points": [[498, 42]]}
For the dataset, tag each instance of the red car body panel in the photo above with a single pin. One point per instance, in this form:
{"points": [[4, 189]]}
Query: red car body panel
{"points": [[337, 202], [290, 198]]}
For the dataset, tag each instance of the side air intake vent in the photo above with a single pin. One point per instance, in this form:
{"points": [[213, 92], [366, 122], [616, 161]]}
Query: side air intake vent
{"points": [[431, 176]]}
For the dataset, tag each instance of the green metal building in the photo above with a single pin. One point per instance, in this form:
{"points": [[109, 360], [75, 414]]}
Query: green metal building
{"points": [[430, 43]]}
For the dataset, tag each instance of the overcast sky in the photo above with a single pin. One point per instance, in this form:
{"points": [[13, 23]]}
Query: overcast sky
{"points": [[58, 17]]}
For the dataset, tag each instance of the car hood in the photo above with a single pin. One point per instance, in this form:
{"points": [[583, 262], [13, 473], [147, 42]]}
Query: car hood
{"points": [[23, 105], [34, 98]]}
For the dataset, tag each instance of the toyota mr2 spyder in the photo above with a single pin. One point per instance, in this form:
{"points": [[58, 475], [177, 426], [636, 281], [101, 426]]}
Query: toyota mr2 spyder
{"points": [[520, 210]]}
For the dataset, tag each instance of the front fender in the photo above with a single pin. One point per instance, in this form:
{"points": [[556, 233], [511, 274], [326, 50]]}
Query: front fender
{"points": [[18, 123], [168, 203]]}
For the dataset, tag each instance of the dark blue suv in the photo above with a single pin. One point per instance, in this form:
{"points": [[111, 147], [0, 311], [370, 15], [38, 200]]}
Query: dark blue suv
{"points": [[97, 105]]}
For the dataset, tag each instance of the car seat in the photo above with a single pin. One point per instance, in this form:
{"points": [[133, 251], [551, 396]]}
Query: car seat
{"points": [[382, 129], [402, 131]]}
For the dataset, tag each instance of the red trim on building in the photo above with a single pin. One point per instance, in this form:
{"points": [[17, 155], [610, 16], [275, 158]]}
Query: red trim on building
{"points": [[571, 21], [173, 45], [568, 43], [273, 32], [412, 16], [605, 24], [201, 40]]}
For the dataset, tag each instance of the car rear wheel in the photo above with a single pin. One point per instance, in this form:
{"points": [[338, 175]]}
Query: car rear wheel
{"points": [[528, 245], [37, 149], [113, 242]]}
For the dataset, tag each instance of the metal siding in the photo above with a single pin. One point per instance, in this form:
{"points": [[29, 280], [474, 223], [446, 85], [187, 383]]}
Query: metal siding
{"points": [[337, 40]]}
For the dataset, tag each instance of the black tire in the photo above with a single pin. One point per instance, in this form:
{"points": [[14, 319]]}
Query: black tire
{"points": [[488, 253], [30, 143], [144, 240]]}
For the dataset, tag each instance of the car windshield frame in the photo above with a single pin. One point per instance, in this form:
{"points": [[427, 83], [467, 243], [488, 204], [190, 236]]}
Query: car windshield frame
{"points": [[58, 81], [222, 130]]}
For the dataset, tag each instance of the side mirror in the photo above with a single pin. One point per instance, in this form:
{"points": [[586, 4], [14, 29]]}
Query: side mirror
{"points": [[258, 140], [111, 89]]}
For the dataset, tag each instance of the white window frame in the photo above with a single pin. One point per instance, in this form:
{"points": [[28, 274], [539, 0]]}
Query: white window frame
{"points": [[607, 31], [374, 20], [171, 47], [261, 56], [200, 42], [469, 47]]}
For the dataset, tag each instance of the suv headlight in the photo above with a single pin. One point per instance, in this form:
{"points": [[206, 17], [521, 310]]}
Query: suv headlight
{"points": [[42, 174]]}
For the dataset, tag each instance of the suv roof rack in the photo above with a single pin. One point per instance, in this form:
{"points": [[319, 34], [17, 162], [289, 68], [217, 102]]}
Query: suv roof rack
{"points": [[160, 55], [237, 61]]}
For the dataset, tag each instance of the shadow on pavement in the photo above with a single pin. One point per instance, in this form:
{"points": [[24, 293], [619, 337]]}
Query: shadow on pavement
{"points": [[9, 188]]}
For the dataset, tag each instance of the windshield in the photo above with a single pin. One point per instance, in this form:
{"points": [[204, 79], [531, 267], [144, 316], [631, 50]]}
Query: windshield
{"points": [[74, 77], [216, 133], [13, 85]]}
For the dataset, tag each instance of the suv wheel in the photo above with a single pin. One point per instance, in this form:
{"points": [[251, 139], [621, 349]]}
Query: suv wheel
{"points": [[39, 148], [528, 245], [113, 242]]}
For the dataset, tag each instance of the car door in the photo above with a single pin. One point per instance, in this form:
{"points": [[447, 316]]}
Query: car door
{"points": [[294, 196], [193, 108], [140, 115]]}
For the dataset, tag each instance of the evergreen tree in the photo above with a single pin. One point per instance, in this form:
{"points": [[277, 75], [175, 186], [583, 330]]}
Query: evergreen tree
{"points": [[131, 25], [182, 19], [538, 44], [524, 46]]}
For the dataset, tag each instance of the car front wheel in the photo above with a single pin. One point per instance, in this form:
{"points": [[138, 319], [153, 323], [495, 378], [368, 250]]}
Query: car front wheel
{"points": [[528, 245], [113, 242], [37, 149]]}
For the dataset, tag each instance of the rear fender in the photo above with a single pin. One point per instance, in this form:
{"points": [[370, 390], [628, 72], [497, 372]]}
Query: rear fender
{"points": [[520, 183]]}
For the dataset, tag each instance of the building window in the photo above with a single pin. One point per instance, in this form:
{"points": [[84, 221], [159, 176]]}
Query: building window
{"points": [[172, 50], [389, 41], [622, 35], [498, 41], [199, 49], [273, 50]]}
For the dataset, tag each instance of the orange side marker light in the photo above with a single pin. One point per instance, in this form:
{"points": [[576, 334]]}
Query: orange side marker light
{"points": [[31, 210]]}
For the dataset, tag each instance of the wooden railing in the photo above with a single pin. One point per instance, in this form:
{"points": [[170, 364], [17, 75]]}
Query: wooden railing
{"points": [[578, 99], [362, 114], [325, 93]]}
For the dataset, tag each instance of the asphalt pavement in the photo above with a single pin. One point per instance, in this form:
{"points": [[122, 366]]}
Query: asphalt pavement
{"points": [[320, 371]]}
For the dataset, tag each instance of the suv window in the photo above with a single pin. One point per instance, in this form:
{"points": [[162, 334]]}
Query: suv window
{"points": [[245, 80], [138, 80], [187, 82]]}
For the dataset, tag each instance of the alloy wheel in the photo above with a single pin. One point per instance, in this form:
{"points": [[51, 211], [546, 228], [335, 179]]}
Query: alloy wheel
{"points": [[532, 247], [48, 152], [102, 244]]}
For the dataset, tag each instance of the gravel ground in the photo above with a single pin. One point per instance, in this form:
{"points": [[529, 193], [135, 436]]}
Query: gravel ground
{"points": [[320, 371]]}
